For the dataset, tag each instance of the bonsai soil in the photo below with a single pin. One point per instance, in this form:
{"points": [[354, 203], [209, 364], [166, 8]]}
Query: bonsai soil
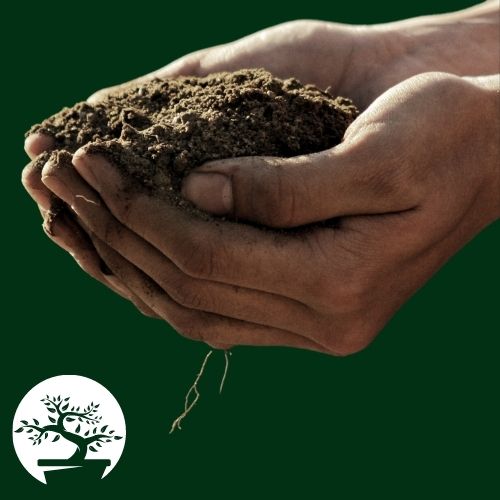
{"points": [[156, 132]]}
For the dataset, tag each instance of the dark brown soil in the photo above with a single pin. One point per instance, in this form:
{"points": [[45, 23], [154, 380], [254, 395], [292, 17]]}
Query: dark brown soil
{"points": [[158, 131]]}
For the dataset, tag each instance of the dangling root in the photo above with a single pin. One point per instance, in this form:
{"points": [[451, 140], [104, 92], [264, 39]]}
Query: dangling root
{"points": [[226, 366], [176, 424], [188, 406]]}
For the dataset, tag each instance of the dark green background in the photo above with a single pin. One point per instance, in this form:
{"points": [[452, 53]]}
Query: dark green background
{"points": [[413, 416]]}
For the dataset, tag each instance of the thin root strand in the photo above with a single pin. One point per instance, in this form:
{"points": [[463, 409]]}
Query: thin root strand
{"points": [[188, 406], [88, 200], [226, 367]]}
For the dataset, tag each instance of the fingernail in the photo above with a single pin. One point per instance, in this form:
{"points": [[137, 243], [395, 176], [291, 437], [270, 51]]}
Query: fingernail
{"points": [[211, 192]]}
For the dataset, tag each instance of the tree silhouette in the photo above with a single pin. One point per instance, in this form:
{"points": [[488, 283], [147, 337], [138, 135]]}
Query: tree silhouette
{"points": [[60, 413]]}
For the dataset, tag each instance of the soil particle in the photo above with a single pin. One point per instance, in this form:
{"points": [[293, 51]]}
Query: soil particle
{"points": [[156, 132]]}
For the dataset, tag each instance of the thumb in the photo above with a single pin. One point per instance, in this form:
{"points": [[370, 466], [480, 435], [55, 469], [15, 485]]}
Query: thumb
{"points": [[288, 192]]}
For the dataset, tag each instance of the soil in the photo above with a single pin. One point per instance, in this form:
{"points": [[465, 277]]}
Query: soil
{"points": [[156, 132]]}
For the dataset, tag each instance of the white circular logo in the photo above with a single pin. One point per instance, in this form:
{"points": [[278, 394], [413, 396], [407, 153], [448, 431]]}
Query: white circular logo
{"points": [[69, 429]]}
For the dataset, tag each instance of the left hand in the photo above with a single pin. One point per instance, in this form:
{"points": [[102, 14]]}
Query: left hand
{"points": [[415, 179]]}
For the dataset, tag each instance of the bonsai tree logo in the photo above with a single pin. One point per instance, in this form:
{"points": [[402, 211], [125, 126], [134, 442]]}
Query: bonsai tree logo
{"points": [[84, 441], [74, 437]]}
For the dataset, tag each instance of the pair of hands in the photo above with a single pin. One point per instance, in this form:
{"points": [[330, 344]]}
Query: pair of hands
{"points": [[415, 178]]}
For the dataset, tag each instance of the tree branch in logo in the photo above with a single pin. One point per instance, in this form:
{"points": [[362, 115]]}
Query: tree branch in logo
{"points": [[60, 413]]}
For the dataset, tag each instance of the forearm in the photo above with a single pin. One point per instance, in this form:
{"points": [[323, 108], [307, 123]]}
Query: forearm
{"points": [[463, 43]]}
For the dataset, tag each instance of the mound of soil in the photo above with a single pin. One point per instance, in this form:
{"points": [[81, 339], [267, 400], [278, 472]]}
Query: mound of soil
{"points": [[156, 132]]}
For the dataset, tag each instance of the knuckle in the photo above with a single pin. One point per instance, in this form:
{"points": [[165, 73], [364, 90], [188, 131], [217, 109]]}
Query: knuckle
{"points": [[399, 182], [275, 198], [389, 172], [121, 208], [202, 327], [188, 324], [350, 347], [198, 259], [198, 264], [345, 296], [110, 231], [263, 192], [356, 338], [186, 296], [383, 174]]}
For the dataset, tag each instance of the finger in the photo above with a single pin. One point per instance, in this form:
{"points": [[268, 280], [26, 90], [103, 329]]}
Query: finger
{"points": [[47, 202], [229, 253], [289, 192], [36, 144], [198, 325], [326, 333], [68, 235], [226, 300], [31, 178], [141, 306]]}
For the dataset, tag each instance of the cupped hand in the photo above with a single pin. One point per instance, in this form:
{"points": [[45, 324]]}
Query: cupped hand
{"points": [[357, 61], [298, 48], [415, 179]]}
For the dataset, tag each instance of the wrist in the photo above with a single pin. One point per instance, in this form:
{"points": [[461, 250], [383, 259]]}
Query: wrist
{"points": [[488, 105]]}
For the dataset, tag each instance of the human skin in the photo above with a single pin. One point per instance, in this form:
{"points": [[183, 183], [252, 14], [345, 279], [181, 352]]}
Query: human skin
{"points": [[405, 201]]}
